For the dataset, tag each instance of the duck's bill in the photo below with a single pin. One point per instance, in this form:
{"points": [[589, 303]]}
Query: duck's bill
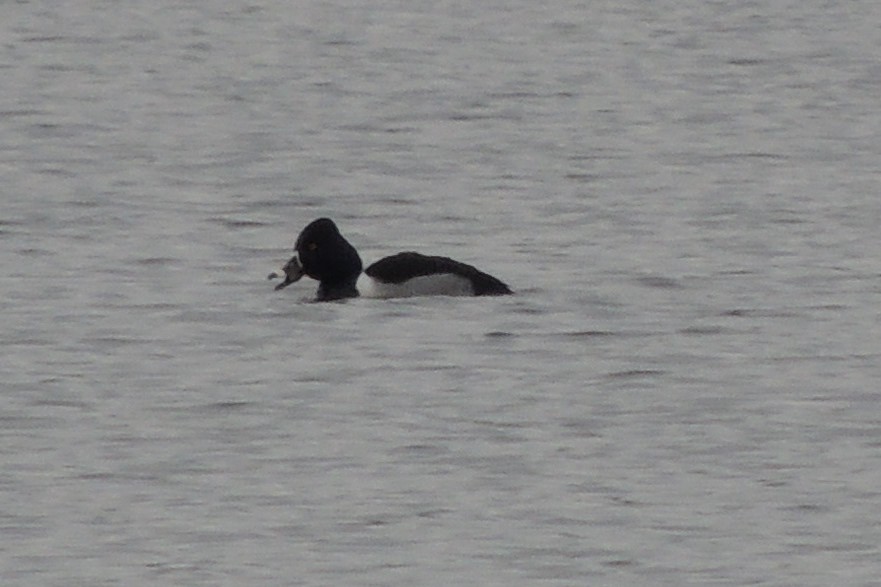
{"points": [[292, 272]]}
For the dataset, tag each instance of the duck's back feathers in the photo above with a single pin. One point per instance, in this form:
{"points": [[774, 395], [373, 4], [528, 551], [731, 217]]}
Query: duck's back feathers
{"points": [[407, 266]]}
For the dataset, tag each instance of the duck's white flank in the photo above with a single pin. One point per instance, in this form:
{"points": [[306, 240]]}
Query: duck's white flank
{"points": [[444, 284]]}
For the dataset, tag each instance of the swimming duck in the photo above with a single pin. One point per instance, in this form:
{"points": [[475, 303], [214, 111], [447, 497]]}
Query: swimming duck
{"points": [[323, 254]]}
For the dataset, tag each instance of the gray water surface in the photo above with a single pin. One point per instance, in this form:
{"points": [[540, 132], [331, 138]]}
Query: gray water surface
{"points": [[684, 389]]}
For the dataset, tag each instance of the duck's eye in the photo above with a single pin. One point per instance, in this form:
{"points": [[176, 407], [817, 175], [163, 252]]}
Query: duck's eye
{"points": [[312, 246]]}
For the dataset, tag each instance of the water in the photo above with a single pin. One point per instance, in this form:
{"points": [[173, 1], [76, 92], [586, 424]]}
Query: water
{"points": [[683, 391]]}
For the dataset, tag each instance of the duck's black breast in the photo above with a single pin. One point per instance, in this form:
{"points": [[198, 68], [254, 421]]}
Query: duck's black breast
{"points": [[409, 265]]}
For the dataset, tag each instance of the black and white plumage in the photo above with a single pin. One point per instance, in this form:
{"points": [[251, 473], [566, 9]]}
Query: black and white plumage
{"points": [[323, 254]]}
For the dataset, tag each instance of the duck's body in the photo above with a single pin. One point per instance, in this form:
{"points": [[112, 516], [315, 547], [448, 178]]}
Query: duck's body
{"points": [[325, 255]]}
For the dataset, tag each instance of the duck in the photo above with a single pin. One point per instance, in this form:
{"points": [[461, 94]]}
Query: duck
{"points": [[323, 253]]}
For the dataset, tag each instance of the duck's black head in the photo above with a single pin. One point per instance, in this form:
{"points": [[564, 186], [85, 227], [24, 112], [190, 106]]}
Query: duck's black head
{"points": [[324, 255]]}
